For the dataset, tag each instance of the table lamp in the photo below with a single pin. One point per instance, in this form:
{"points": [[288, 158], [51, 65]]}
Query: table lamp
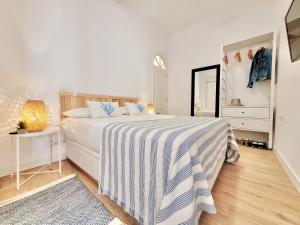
{"points": [[150, 108], [35, 115]]}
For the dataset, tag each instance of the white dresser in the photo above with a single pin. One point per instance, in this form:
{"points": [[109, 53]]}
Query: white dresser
{"points": [[248, 118]]}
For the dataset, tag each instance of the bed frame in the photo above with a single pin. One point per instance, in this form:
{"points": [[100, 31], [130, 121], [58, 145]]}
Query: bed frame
{"points": [[84, 158]]}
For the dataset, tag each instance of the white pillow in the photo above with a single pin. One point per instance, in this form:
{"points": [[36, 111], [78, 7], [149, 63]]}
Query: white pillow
{"points": [[136, 109], [78, 113], [104, 109], [123, 110]]}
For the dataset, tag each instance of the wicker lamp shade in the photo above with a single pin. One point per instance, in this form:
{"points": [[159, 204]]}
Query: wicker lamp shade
{"points": [[35, 115], [150, 108]]}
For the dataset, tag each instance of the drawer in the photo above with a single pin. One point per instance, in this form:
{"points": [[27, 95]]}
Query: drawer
{"points": [[248, 112], [249, 124]]}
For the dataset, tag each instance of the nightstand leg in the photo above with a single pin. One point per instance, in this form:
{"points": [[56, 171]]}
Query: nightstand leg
{"points": [[59, 159], [12, 157], [51, 152], [18, 161]]}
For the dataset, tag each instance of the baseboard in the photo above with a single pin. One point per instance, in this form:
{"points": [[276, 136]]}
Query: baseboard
{"points": [[31, 164], [290, 172]]}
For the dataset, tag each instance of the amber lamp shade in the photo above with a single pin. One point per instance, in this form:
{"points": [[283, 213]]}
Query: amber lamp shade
{"points": [[35, 115], [150, 108]]}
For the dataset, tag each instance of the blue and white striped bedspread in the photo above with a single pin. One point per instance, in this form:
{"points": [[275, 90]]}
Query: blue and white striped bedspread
{"points": [[158, 170]]}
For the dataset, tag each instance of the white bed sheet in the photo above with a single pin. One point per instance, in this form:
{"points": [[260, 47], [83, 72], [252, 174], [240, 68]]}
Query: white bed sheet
{"points": [[88, 131]]}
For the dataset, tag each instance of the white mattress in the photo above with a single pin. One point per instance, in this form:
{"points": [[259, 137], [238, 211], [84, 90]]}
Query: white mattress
{"points": [[88, 131]]}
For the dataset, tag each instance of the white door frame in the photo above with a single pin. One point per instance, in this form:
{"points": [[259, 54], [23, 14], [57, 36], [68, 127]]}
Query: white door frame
{"points": [[155, 68]]}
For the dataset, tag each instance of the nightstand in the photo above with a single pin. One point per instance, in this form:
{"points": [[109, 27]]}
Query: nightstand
{"points": [[50, 132]]}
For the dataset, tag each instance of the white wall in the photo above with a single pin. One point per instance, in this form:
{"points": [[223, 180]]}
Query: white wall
{"points": [[199, 45], [75, 45], [287, 133]]}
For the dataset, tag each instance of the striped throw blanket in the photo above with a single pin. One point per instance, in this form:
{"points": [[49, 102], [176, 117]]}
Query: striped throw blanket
{"points": [[158, 170]]}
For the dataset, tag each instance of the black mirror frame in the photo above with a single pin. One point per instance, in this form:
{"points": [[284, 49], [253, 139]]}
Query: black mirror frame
{"points": [[217, 68], [287, 31]]}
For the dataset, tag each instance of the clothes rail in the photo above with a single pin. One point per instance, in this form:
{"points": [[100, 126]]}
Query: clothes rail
{"points": [[249, 47]]}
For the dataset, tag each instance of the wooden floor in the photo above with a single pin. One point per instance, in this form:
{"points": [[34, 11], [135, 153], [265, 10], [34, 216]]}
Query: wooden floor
{"points": [[255, 191]]}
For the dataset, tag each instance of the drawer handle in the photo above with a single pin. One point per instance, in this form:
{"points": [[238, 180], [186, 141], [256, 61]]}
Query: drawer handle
{"points": [[242, 123], [243, 112]]}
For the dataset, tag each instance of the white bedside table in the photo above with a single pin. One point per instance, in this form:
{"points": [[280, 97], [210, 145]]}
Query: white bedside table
{"points": [[49, 131]]}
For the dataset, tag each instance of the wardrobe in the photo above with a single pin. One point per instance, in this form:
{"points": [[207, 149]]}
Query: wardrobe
{"points": [[253, 118]]}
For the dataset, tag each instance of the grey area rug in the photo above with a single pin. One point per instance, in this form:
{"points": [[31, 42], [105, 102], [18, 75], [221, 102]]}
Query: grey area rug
{"points": [[69, 202]]}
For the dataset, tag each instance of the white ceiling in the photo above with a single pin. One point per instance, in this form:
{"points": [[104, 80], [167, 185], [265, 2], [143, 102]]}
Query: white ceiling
{"points": [[176, 14]]}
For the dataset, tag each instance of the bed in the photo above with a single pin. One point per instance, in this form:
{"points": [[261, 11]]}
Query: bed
{"points": [[158, 168]]}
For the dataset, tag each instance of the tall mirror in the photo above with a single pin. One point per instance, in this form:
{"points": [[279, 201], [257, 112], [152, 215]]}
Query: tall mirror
{"points": [[205, 91], [292, 21]]}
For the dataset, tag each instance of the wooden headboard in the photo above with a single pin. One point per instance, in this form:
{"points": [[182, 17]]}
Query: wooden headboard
{"points": [[70, 100]]}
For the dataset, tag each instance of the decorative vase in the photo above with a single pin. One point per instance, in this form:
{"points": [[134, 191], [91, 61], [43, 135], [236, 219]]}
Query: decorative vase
{"points": [[21, 131]]}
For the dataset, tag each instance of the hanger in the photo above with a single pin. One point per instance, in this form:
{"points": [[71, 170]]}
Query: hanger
{"points": [[238, 57], [250, 54], [225, 59]]}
